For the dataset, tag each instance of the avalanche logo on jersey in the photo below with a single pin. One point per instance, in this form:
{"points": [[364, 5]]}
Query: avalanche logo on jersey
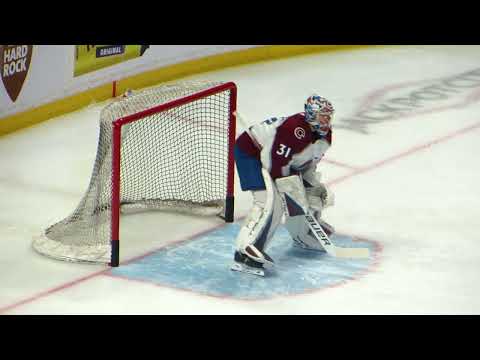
{"points": [[299, 133]]}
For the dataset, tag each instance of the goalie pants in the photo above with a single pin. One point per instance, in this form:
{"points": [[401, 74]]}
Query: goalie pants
{"points": [[249, 170]]}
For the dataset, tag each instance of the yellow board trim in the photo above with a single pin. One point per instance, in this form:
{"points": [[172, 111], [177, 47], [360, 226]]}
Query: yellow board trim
{"points": [[59, 107]]}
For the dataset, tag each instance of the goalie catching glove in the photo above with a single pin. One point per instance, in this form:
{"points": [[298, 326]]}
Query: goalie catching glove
{"points": [[319, 197]]}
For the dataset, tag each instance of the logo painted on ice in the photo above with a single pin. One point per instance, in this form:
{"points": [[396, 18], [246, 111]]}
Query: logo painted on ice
{"points": [[398, 101], [299, 132], [14, 64]]}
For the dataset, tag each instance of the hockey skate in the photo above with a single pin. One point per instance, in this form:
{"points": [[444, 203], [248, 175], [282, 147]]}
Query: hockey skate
{"points": [[243, 263]]}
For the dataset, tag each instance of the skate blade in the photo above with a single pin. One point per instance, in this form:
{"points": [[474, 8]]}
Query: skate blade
{"points": [[247, 269]]}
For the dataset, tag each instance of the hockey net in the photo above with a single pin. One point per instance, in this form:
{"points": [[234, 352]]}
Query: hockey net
{"points": [[167, 148]]}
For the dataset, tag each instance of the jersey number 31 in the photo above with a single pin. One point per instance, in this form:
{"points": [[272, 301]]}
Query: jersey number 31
{"points": [[284, 150]]}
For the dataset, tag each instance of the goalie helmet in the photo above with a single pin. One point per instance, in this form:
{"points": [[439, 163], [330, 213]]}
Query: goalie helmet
{"points": [[317, 105]]}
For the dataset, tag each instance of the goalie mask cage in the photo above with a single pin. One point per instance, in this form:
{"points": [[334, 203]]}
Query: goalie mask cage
{"points": [[167, 148]]}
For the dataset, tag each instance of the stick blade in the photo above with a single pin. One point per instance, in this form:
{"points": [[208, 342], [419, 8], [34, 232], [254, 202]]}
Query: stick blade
{"points": [[353, 253]]}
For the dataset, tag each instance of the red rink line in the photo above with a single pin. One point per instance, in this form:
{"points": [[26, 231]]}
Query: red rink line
{"points": [[336, 163], [404, 154], [51, 291], [101, 272], [332, 182]]}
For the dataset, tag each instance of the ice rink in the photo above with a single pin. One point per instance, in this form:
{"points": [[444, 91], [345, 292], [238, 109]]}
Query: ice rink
{"points": [[403, 166]]}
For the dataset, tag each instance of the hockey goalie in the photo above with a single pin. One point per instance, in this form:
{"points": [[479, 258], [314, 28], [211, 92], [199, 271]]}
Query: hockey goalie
{"points": [[276, 160]]}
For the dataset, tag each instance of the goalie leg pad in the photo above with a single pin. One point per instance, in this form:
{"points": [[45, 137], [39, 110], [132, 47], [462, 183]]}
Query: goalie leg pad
{"points": [[294, 195], [260, 225], [296, 200], [301, 233], [329, 229]]}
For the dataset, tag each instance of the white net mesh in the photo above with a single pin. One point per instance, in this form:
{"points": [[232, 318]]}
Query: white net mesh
{"points": [[174, 160]]}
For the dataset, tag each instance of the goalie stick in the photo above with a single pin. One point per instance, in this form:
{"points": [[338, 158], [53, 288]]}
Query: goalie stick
{"points": [[328, 245]]}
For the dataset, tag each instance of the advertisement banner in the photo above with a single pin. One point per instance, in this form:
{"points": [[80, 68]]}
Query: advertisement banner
{"points": [[89, 58], [32, 76], [14, 64]]}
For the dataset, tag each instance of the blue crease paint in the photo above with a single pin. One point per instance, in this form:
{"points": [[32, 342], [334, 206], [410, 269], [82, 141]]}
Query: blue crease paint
{"points": [[203, 265]]}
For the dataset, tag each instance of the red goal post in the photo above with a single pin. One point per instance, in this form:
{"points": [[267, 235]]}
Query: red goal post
{"points": [[117, 126]]}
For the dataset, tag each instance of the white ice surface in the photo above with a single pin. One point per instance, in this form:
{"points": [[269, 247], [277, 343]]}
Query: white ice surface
{"points": [[423, 207]]}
